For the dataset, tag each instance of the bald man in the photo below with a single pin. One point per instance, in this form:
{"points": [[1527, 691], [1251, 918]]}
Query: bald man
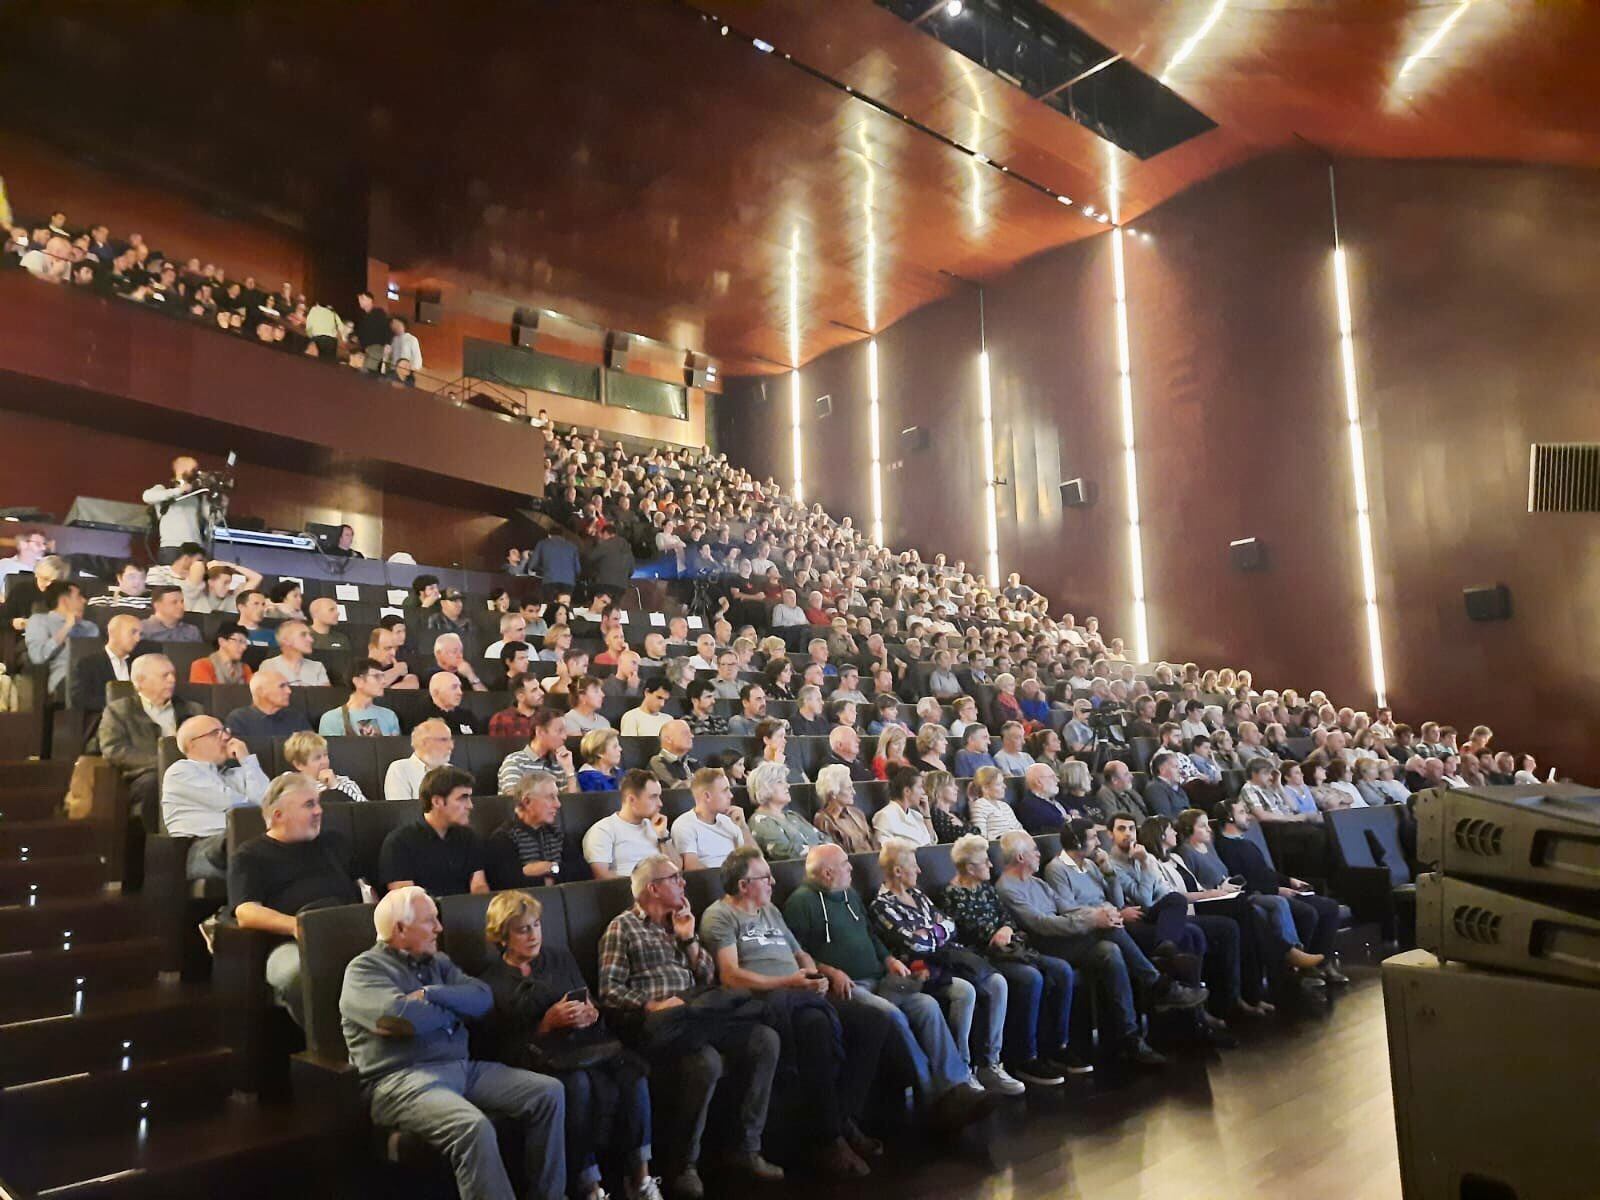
{"points": [[444, 689], [270, 713], [673, 766], [217, 772], [87, 687], [293, 660]]}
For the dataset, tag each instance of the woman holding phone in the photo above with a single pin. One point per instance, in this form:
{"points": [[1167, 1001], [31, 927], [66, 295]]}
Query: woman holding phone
{"points": [[545, 1020]]}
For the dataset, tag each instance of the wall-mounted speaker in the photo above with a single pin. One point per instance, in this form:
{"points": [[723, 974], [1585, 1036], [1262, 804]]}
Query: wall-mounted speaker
{"points": [[430, 306], [698, 370], [1247, 554], [1077, 493], [525, 327], [617, 351], [914, 439], [1488, 603], [823, 406]]}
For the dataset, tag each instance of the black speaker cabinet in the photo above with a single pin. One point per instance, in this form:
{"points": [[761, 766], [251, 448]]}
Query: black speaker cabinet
{"points": [[1493, 1078], [1466, 922], [430, 306], [617, 351], [1533, 836], [1247, 554], [913, 438], [1077, 493], [1488, 603]]}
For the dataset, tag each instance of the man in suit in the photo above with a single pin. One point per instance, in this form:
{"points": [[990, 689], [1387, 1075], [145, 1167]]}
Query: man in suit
{"points": [[87, 686], [1116, 793], [1163, 795], [131, 729]]}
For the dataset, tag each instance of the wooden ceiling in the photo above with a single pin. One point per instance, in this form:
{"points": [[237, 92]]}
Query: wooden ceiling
{"points": [[624, 162]]}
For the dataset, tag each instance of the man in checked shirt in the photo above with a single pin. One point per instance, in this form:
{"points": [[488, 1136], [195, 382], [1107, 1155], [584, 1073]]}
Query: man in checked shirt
{"points": [[651, 966]]}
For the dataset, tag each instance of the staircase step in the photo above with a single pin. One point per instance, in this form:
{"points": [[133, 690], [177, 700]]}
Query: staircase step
{"points": [[100, 917], [42, 983], [185, 1083], [30, 802], [239, 1150], [138, 1024], [45, 839], [36, 772], [44, 879]]}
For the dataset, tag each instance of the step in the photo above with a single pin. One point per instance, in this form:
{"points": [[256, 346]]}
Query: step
{"points": [[239, 1150], [138, 1024], [184, 1083], [44, 879], [49, 838], [100, 917], [36, 772], [42, 983], [30, 803]]}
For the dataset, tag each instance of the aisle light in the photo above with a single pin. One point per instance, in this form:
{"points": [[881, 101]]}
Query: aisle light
{"points": [[1358, 473], [796, 460], [991, 527], [876, 442], [1141, 631]]}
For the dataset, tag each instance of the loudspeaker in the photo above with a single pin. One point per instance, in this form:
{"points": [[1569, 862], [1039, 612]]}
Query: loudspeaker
{"points": [[698, 370], [1076, 493], [430, 306], [1467, 922], [525, 327], [617, 351], [1536, 835], [914, 438], [1247, 554], [1488, 603], [824, 406]]}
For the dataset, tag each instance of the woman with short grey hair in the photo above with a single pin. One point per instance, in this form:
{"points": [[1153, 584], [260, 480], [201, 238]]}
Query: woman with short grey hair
{"points": [[778, 829], [838, 818]]}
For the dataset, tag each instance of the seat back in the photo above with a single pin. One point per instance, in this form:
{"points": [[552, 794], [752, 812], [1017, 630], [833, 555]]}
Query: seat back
{"points": [[1369, 837], [329, 938], [590, 907], [1255, 834]]}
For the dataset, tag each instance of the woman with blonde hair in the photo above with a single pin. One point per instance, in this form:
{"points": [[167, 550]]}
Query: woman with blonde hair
{"points": [[600, 752], [307, 754], [986, 804], [891, 755]]}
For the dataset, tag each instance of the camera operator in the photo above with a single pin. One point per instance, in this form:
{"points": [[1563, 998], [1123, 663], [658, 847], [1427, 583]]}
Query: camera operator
{"points": [[184, 508]]}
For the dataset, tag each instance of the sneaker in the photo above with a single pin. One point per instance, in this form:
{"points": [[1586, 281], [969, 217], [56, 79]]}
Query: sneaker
{"points": [[1140, 1052], [1042, 1072], [686, 1185], [1169, 994], [1070, 1061], [972, 1083], [649, 1188], [756, 1167], [208, 934], [993, 1078], [861, 1143]]}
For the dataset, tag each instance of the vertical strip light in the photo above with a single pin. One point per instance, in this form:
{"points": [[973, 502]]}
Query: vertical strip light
{"points": [[874, 433], [1358, 458], [796, 460], [1141, 629], [876, 441], [991, 526]]}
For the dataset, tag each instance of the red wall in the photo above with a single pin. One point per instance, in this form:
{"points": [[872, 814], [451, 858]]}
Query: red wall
{"points": [[1472, 293]]}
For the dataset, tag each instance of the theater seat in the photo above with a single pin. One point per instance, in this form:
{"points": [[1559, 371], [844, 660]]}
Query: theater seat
{"points": [[1370, 871], [590, 907]]}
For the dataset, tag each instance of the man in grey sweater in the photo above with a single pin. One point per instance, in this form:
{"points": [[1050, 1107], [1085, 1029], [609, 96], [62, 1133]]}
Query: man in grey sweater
{"points": [[404, 1010]]}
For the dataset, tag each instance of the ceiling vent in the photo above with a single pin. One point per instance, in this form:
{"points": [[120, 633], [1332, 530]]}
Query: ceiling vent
{"points": [[1564, 477]]}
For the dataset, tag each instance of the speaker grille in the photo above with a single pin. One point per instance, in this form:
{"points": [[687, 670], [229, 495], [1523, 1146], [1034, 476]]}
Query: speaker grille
{"points": [[1564, 477], [1475, 924], [1476, 836]]}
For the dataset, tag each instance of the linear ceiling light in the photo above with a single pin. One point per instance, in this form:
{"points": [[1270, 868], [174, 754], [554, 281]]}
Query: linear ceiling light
{"points": [[1141, 629]]}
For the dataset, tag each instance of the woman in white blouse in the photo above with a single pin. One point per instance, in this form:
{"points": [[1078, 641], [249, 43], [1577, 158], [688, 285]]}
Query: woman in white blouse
{"points": [[906, 814]]}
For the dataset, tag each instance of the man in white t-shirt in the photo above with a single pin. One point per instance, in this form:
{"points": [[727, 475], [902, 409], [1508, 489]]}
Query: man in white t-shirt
{"points": [[614, 845], [651, 715], [713, 828]]}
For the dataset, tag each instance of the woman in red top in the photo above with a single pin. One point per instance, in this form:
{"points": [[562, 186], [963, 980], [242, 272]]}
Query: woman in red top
{"points": [[891, 755], [225, 664]]}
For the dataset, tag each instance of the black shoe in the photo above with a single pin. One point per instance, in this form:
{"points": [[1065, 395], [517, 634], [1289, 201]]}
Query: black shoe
{"points": [[960, 1107], [1219, 1035], [1069, 1060], [1039, 1071], [1138, 1051], [1169, 994], [1332, 975]]}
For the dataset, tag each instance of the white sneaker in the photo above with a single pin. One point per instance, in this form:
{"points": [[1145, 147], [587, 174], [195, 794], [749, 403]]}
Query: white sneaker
{"points": [[649, 1189], [972, 1082], [994, 1079]]}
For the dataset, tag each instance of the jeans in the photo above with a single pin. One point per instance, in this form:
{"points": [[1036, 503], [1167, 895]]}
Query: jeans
{"points": [[608, 1108], [1039, 1007], [1317, 919], [923, 1034], [449, 1105], [960, 1001], [1277, 907], [1221, 965], [1113, 963], [208, 857], [283, 977]]}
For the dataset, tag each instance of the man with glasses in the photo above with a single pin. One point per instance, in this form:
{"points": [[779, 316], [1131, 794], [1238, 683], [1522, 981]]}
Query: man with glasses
{"points": [[361, 716], [217, 772], [656, 978], [431, 746]]}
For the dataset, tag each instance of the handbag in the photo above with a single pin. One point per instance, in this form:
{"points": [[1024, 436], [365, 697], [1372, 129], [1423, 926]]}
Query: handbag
{"points": [[572, 1054]]}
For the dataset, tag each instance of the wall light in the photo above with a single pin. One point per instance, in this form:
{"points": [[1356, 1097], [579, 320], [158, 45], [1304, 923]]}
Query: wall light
{"points": [[1195, 38], [796, 458], [991, 528], [875, 441], [1432, 42], [1141, 628]]}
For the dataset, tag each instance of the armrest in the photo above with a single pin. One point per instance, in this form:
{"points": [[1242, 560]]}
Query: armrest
{"points": [[239, 964], [331, 1084], [166, 895]]}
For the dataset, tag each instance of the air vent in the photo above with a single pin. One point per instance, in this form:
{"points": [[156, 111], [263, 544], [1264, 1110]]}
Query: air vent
{"points": [[824, 406], [1479, 837], [1475, 924], [1564, 477]]}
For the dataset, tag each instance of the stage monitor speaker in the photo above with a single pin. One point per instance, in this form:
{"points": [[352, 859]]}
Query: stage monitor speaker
{"points": [[617, 351], [1077, 493], [1489, 1072], [1470, 923], [1537, 835], [116, 516], [1247, 554], [914, 438], [430, 306], [1488, 603], [824, 406]]}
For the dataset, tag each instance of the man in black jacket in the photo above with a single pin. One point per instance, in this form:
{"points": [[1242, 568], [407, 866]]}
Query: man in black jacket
{"points": [[132, 728], [86, 687], [371, 332], [608, 566], [1162, 795]]}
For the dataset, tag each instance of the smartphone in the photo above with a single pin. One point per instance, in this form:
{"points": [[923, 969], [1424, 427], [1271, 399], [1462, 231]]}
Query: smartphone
{"points": [[578, 995]]}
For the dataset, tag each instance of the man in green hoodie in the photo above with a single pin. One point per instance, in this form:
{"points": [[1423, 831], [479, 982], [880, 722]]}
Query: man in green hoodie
{"points": [[829, 919]]}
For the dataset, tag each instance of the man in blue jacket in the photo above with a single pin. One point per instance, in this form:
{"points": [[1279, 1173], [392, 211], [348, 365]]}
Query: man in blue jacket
{"points": [[404, 1009]]}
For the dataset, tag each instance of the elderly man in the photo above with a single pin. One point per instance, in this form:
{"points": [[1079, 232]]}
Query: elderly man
{"points": [[217, 772], [404, 1009], [809, 719], [672, 765], [131, 729], [614, 844], [705, 653], [47, 633], [546, 751], [652, 962], [651, 716], [844, 749], [165, 622], [293, 660], [270, 713], [625, 681], [830, 921], [787, 612], [291, 866], [431, 748], [1039, 811], [444, 694], [31, 546], [450, 658], [715, 827], [835, 1049], [974, 752], [1164, 795], [439, 850], [1117, 793], [531, 848], [1011, 757], [726, 685]]}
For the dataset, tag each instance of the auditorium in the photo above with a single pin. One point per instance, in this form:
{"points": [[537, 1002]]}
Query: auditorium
{"points": [[662, 599]]}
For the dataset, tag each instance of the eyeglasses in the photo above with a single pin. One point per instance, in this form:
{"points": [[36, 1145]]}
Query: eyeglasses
{"points": [[675, 877], [219, 731]]}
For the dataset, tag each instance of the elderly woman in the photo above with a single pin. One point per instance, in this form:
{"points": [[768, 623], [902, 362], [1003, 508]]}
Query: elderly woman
{"points": [[545, 1020], [226, 663], [1335, 791], [891, 753], [923, 938], [307, 754], [600, 752], [966, 713], [778, 829], [838, 818], [1039, 987], [1006, 705], [1365, 778], [945, 807], [931, 743], [987, 808]]}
